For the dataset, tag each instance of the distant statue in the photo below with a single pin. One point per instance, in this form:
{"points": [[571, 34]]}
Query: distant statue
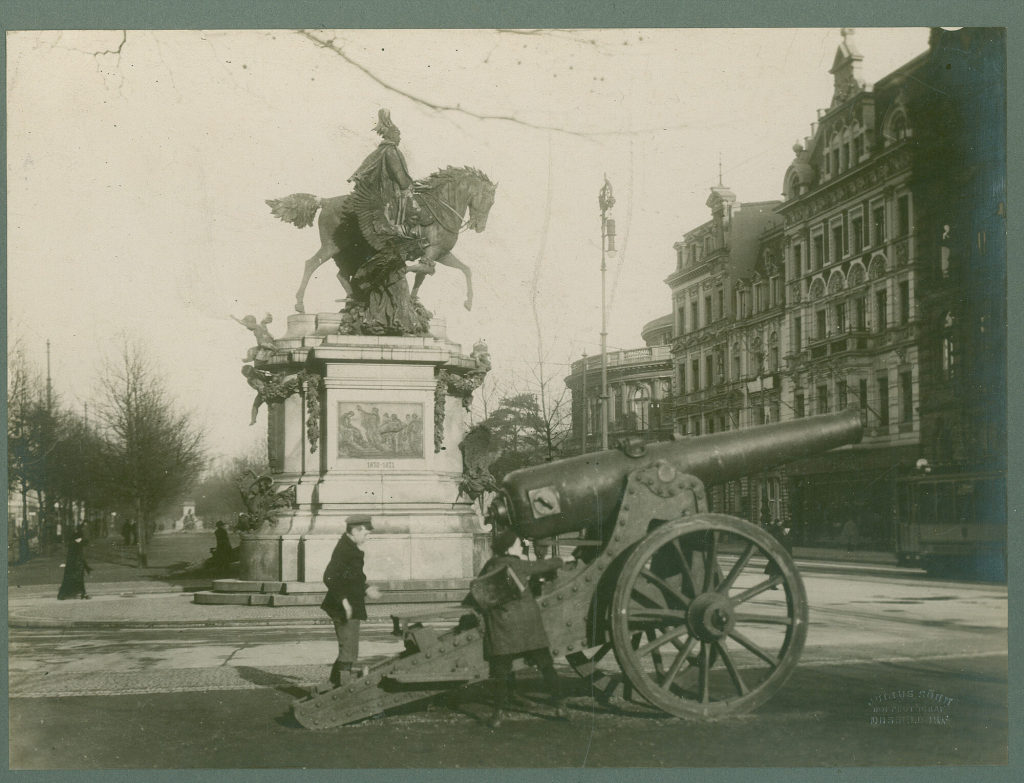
{"points": [[388, 226], [265, 343], [269, 387]]}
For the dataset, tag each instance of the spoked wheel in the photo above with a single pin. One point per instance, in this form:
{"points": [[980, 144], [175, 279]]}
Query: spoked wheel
{"points": [[709, 616]]}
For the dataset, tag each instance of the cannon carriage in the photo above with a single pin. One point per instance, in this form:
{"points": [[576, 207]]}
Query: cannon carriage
{"points": [[705, 613]]}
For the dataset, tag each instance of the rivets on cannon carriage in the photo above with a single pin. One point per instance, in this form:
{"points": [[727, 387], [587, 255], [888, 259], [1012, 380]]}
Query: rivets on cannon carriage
{"points": [[455, 642], [576, 588], [571, 646], [544, 602]]}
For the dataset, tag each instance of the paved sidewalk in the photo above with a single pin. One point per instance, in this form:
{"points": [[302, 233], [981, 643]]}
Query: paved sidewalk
{"points": [[112, 606], [160, 595]]}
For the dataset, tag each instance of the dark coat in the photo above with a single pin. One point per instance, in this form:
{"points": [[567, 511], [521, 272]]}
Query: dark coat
{"points": [[344, 578], [75, 568], [223, 551], [516, 627]]}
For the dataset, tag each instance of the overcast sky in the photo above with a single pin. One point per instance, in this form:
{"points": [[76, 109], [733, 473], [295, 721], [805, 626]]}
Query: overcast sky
{"points": [[139, 163]]}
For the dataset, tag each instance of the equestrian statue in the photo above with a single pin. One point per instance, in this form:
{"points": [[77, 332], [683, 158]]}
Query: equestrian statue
{"points": [[390, 225]]}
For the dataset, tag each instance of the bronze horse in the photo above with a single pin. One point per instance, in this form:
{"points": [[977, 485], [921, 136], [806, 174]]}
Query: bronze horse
{"points": [[443, 197]]}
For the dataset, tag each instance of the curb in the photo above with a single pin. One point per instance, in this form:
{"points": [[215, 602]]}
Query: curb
{"points": [[21, 623], [145, 624]]}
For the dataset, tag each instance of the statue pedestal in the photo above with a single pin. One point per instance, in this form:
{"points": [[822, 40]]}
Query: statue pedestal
{"points": [[388, 446]]}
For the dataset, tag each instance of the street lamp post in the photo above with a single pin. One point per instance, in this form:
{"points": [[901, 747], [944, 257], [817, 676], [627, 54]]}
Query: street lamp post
{"points": [[586, 411], [606, 201]]}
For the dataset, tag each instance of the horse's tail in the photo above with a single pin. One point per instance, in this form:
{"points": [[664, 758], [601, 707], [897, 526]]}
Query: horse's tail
{"points": [[299, 209]]}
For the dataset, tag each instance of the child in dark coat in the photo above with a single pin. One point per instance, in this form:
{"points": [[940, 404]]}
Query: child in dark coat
{"points": [[515, 629]]}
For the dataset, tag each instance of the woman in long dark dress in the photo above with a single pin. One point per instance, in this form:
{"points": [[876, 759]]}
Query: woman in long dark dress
{"points": [[75, 569]]}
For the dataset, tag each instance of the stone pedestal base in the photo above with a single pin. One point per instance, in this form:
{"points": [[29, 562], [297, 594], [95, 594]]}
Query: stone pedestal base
{"points": [[388, 446]]}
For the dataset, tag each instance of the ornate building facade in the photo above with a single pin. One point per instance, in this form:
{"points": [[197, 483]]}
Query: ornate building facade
{"points": [[878, 281], [639, 384]]}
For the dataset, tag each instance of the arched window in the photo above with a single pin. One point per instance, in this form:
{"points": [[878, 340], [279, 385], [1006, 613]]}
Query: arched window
{"points": [[857, 274], [817, 288], [897, 127], [836, 282], [641, 407], [876, 269]]}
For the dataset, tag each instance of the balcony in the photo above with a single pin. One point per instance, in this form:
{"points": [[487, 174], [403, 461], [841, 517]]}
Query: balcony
{"points": [[634, 356], [716, 393], [836, 345]]}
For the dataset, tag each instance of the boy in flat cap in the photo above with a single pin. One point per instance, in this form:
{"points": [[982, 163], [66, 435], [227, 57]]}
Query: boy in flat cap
{"points": [[347, 591], [515, 629]]}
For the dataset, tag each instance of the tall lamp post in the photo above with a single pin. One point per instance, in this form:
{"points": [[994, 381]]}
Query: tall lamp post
{"points": [[586, 411], [606, 201]]}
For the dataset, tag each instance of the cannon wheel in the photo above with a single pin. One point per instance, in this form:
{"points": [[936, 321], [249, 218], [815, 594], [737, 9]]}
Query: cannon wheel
{"points": [[700, 627]]}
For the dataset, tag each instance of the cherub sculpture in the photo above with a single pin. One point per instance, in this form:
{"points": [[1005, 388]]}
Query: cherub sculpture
{"points": [[265, 343], [269, 387]]}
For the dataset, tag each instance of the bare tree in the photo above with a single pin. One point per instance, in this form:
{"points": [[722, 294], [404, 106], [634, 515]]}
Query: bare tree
{"points": [[29, 439], [154, 452], [217, 492]]}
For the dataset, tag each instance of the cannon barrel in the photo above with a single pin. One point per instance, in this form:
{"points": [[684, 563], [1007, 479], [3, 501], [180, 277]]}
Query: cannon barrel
{"points": [[584, 492]]}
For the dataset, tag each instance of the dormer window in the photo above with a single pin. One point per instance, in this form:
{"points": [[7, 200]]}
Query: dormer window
{"points": [[899, 128]]}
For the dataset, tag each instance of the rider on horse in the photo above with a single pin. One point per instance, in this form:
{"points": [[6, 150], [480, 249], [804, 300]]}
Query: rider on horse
{"points": [[386, 173]]}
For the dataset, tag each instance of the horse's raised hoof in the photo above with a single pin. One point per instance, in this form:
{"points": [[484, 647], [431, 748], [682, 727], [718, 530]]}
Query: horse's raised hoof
{"points": [[299, 307], [468, 304]]}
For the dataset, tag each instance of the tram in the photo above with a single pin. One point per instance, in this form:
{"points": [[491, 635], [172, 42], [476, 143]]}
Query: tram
{"points": [[953, 524]]}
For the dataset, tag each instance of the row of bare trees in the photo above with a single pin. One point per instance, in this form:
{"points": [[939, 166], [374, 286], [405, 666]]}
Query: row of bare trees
{"points": [[530, 420], [136, 454]]}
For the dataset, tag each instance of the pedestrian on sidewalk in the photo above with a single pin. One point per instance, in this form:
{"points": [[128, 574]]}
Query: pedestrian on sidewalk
{"points": [[347, 591], [515, 629], [782, 533], [75, 568], [222, 552]]}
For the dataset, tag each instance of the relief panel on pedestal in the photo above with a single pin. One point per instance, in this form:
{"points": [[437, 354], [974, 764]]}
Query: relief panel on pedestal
{"points": [[380, 431]]}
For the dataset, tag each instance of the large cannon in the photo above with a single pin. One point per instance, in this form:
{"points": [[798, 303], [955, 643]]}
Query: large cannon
{"points": [[706, 614]]}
